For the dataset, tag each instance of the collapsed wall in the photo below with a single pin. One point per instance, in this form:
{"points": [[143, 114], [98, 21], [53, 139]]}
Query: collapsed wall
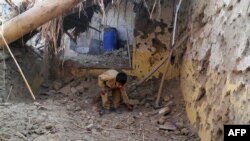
{"points": [[215, 69]]}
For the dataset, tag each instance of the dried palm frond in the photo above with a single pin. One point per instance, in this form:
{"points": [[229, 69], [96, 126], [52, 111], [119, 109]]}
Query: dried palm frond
{"points": [[102, 6], [52, 34]]}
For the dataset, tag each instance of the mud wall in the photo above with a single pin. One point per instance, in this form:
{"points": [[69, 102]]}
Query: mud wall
{"points": [[215, 69]]}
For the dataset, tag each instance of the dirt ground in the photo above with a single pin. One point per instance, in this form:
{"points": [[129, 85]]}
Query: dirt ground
{"points": [[68, 110], [115, 59]]}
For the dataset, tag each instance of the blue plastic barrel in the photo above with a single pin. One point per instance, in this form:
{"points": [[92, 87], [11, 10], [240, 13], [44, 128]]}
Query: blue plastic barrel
{"points": [[109, 39]]}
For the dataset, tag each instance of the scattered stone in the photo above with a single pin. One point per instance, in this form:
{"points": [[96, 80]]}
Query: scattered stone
{"points": [[69, 107], [91, 121], [38, 120], [83, 113], [94, 131], [80, 89], [151, 98], [143, 102], [78, 108], [171, 96], [65, 90], [6, 136], [56, 85], [44, 114], [177, 132], [164, 111], [147, 114], [167, 126], [42, 108], [104, 122], [41, 138], [162, 120], [124, 53], [170, 103], [46, 85], [48, 126], [89, 127], [134, 102], [179, 124], [166, 98], [4, 55], [37, 104], [105, 133], [73, 90], [184, 131], [130, 120], [50, 92], [60, 128], [68, 79], [118, 125], [147, 105]]}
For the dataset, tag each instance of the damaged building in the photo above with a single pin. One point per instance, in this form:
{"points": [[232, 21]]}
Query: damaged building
{"points": [[187, 63]]}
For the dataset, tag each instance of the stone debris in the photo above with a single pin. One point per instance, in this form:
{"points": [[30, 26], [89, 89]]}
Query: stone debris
{"points": [[134, 102], [90, 127], [118, 125], [184, 131], [56, 85], [167, 126], [162, 120], [166, 98], [164, 111], [65, 90], [179, 124], [48, 126], [73, 90], [130, 120]]}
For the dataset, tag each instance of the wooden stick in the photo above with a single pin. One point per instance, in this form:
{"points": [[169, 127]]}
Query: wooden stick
{"points": [[169, 58], [175, 20], [9, 93], [162, 80], [19, 68], [129, 57], [74, 40], [151, 13]]}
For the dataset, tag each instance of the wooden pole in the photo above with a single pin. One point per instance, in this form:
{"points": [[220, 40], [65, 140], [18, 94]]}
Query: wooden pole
{"points": [[129, 57], [19, 68], [36, 16], [162, 80], [169, 58]]}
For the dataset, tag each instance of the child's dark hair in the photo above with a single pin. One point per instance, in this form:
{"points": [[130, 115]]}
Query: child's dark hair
{"points": [[121, 77]]}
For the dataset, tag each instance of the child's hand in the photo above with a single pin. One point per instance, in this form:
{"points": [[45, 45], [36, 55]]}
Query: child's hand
{"points": [[129, 107]]}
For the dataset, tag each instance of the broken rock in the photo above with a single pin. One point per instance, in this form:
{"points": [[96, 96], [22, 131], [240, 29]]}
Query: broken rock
{"points": [[184, 131], [167, 126], [131, 120], [179, 124], [73, 90], [65, 90], [164, 111], [162, 120], [118, 125], [48, 126], [166, 98], [57, 85], [89, 127], [134, 102]]}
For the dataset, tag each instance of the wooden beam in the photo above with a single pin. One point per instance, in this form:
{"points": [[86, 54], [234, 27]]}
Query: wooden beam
{"points": [[31, 19]]}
